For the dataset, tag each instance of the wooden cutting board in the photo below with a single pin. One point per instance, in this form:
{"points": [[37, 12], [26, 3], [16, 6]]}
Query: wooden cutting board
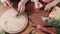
{"points": [[3, 9]]}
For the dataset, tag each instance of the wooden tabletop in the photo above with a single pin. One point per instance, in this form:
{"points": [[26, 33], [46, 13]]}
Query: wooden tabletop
{"points": [[35, 17]]}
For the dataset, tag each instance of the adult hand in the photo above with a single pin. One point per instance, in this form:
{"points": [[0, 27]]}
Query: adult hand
{"points": [[6, 3], [48, 7]]}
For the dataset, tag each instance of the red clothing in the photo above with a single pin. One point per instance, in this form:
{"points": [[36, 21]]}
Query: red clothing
{"points": [[47, 1]]}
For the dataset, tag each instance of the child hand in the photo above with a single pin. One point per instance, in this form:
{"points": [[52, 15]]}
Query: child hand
{"points": [[21, 7], [47, 7], [6, 3]]}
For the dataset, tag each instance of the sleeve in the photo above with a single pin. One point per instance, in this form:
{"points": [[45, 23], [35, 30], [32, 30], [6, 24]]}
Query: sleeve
{"points": [[54, 2]]}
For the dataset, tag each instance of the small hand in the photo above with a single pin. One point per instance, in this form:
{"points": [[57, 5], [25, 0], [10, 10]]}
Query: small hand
{"points": [[47, 7], [21, 7], [6, 3]]}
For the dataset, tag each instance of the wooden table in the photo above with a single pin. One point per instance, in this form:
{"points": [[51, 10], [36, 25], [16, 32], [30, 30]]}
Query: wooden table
{"points": [[35, 16]]}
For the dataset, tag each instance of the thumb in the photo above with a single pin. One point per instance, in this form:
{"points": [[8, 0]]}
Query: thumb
{"points": [[45, 9]]}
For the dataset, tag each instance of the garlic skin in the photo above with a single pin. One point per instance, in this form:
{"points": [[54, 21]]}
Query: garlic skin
{"points": [[44, 18], [38, 5]]}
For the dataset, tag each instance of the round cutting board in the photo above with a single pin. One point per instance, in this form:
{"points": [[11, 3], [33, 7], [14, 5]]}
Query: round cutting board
{"points": [[11, 21]]}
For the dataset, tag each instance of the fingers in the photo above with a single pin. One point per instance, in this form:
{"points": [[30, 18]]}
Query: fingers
{"points": [[7, 3], [47, 8], [21, 8]]}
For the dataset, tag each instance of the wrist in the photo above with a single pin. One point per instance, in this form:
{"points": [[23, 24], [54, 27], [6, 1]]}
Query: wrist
{"points": [[24, 1]]}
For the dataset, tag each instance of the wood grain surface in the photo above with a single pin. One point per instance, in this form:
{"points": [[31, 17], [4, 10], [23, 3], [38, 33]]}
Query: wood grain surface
{"points": [[35, 16]]}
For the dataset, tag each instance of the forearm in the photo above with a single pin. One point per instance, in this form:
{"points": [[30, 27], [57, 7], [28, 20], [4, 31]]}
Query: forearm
{"points": [[24, 1], [54, 2], [36, 1], [46, 30], [40, 27]]}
